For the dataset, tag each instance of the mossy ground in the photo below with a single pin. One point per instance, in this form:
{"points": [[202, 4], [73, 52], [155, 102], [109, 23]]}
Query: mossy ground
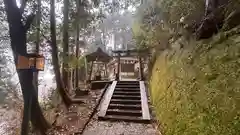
{"points": [[196, 90]]}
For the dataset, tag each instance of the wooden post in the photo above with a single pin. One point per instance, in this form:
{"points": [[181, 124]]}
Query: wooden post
{"points": [[106, 70], [90, 75], [140, 68], [74, 82], [118, 68], [86, 68]]}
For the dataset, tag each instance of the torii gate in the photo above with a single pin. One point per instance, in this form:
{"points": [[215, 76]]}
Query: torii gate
{"points": [[127, 65], [130, 53]]}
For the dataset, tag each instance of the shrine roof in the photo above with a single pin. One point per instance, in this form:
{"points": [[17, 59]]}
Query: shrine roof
{"points": [[98, 55]]}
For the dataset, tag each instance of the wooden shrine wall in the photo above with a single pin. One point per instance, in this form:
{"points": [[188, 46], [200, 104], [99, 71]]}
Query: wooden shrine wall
{"points": [[127, 67]]}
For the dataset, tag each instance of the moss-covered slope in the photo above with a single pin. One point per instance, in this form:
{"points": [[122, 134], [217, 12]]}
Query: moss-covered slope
{"points": [[196, 90]]}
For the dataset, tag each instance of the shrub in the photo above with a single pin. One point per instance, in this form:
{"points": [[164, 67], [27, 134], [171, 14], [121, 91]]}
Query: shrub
{"points": [[159, 21]]}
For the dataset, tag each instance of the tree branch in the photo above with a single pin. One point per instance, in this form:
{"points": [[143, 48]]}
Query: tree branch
{"points": [[42, 33], [29, 21]]}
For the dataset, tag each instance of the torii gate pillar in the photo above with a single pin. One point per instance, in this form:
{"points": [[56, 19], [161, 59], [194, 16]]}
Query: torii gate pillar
{"points": [[140, 68], [118, 67]]}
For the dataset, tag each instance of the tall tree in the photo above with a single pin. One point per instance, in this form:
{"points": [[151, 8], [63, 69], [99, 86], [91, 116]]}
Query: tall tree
{"points": [[81, 20], [38, 21], [77, 41], [18, 35], [65, 44], [213, 20], [60, 86]]}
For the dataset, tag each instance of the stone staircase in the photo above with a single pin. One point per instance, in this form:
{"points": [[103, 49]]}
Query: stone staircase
{"points": [[126, 103]]}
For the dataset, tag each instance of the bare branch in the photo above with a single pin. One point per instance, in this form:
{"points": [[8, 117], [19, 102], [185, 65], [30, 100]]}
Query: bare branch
{"points": [[29, 21]]}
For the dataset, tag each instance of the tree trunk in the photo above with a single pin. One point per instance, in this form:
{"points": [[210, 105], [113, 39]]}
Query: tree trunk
{"points": [[30, 98], [60, 86], [77, 44], [65, 45], [210, 6], [17, 33], [91, 70], [86, 68], [73, 79], [38, 21], [32, 108], [213, 20]]}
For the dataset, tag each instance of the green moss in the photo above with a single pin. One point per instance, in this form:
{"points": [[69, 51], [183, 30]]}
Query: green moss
{"points": [[196, 91]]}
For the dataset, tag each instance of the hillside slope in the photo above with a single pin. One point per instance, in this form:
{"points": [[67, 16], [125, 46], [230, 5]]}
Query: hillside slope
{"points": [[196, 90]]}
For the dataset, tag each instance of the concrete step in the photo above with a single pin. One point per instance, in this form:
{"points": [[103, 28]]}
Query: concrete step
{"points": [[126, 97], [126, 90], [133, 93], [121, 112], [124, 118], [128, 82], [127, 107], [127, 86], [129, 102]]}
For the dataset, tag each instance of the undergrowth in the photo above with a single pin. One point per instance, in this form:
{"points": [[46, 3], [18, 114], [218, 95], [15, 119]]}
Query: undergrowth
{"points": [[196, 90]]}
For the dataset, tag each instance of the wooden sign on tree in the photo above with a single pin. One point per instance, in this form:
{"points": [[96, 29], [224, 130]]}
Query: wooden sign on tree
{"points": [[32, 62]]}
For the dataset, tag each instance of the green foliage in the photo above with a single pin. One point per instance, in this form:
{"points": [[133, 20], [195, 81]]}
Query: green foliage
{"points": [[159, 21], [76, 62], [196, 91], [175, 9]]}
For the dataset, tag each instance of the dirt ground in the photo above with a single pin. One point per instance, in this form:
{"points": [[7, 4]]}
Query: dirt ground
{"points": [[75, 119]]}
